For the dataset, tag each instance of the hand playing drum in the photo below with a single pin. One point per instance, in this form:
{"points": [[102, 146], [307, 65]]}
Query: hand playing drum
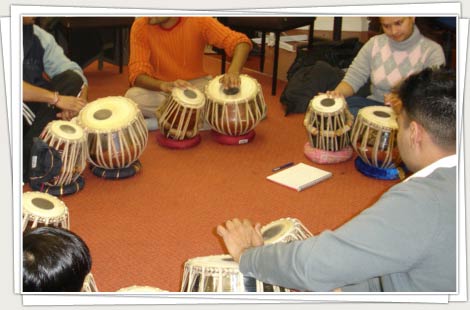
{"points": [[230, 80], [168, 87]]}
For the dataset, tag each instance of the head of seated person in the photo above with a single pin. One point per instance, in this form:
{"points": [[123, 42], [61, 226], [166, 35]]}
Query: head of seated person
{"points": [[397, 28], [54, 260], [426, 116]]}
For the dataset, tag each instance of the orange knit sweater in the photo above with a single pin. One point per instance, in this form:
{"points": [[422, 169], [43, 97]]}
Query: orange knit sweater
{"points": [[177, 53]]}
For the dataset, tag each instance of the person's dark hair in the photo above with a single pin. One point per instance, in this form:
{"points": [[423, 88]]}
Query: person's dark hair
{"points": [[429, 98], [54, 260]]}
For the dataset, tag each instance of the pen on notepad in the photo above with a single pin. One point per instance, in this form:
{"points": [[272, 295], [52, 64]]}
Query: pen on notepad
{"points": [[283, 166]]}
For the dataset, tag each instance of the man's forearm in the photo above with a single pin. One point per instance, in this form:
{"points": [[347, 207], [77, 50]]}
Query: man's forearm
{"points": [[345, 89], [148, 82], [33, 93], [240, 55]]}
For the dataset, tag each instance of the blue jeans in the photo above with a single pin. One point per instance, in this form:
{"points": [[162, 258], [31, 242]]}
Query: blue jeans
{"points": [[355, 103]]}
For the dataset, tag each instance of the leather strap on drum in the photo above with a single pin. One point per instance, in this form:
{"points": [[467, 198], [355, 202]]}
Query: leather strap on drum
{"points": [[116, 174], [320, 156], [379, 173], [59, 190]]}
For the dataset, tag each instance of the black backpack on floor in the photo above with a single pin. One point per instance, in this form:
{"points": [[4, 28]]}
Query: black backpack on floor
{"points": [[315, 70]]}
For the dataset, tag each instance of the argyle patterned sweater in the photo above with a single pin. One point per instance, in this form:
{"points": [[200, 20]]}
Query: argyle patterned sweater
{"points": [[387, 62]]}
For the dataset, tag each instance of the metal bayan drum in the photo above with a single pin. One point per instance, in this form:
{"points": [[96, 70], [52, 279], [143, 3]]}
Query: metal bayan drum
{"points": [[70, 141], [373, 137], [284, 230], [234, 113], [116, 132], [220, 273], [42, 209]]}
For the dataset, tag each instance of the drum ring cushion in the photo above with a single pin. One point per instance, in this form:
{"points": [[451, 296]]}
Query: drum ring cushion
{"points": [[119, 173], [60, 190], [233, 140], [178, 144], [375, 172], [320, 156]]}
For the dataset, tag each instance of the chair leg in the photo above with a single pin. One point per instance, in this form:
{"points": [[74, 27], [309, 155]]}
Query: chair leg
{"points": [[120, 47], [262, 51], [310, 35], [224, 59], [100, 60], [275, 63], [337, 28]]}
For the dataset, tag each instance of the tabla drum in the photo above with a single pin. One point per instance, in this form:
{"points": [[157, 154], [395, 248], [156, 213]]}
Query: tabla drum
{"points": [[328, 123], [116, 134], [234, 113], [180, 118], [373, 137], [70, 141], [42, 209], [89, 284], [284, 230], [220, 273], [141, 289]]}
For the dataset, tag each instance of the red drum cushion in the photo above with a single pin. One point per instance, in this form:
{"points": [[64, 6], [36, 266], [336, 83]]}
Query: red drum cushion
{"points": [[178, 144], [327, 157], [233, 140]]}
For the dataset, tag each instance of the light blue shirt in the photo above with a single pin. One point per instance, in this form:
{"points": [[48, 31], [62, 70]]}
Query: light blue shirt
{"points": [[405, 242]]}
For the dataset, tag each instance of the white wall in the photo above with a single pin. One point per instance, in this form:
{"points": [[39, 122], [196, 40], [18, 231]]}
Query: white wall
{"points": [[350, 23]]}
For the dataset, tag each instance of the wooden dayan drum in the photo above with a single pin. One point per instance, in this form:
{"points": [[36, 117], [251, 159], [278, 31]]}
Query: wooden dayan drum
{"points": [[234, 112], [284, 230], [220, 273], [42, 209], [374, 135], [328, 122], [70, 141], [181, 116], [89, 284], [116, 130], [374, 139], [140, 289]]}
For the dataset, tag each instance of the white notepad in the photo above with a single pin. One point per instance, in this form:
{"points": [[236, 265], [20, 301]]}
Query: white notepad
{"points": [[300, 176]]}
